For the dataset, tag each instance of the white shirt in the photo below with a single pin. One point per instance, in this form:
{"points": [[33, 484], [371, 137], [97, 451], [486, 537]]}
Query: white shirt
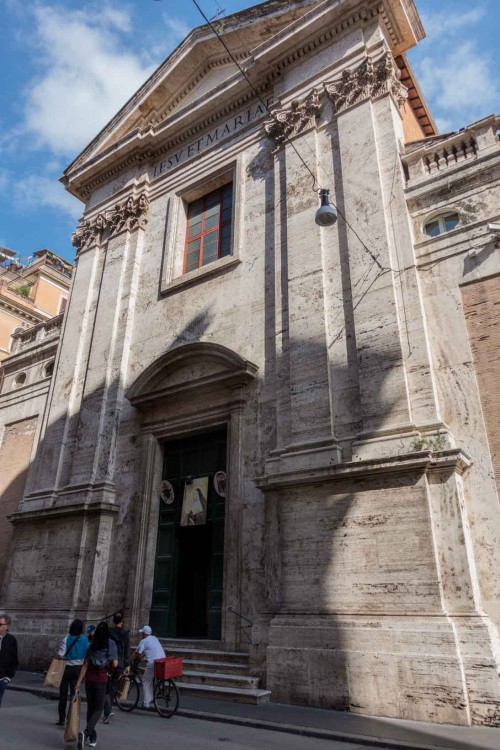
{"points": [[152, 649]]}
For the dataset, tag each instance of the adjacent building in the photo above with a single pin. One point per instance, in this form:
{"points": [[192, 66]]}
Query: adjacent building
{"points": [[265, 436], [30, 293], [33, 296]]}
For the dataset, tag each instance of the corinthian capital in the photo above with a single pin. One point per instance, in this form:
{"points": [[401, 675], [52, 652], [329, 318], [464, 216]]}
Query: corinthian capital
{"points": [[126, 216], [289, 122], [370, 79]]}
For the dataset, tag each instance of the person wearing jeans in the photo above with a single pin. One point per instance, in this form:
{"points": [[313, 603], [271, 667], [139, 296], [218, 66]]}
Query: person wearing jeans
{"points": [[8, 654], [100, 657]]}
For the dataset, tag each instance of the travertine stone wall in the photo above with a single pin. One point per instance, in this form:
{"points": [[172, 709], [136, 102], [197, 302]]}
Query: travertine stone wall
{"points": [[16, 440], [359, 537], [481, 302]]}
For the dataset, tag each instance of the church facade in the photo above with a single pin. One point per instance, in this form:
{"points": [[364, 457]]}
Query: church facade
{"points": [[254, 418]]}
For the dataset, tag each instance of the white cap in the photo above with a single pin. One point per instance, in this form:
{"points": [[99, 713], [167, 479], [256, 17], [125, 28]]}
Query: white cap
{"points": [[146, 630]]}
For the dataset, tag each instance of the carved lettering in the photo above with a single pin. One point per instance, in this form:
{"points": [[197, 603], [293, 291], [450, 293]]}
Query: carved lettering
{"points": [[222, 131]]}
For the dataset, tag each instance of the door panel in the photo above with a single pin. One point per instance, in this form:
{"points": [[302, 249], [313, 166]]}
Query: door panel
{"points": [[188, 577]]}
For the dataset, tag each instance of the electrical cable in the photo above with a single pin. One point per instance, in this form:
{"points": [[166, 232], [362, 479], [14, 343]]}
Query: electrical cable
{"points": [[304, 163]]}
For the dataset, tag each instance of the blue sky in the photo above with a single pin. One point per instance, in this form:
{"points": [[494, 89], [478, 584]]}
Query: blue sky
{"points": [[69, 65]]}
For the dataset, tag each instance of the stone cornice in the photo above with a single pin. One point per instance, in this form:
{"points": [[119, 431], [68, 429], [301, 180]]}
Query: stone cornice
{"points": [[21, 311], [64, 511], [127, 216], [287, 123], [149, 147], [266, 64], [157, 116], [370, 79], [447, 461]]}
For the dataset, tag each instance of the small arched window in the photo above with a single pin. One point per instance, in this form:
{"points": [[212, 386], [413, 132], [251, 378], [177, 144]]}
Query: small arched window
{"points": [[441, 224], [49, 369], [19, 380]]}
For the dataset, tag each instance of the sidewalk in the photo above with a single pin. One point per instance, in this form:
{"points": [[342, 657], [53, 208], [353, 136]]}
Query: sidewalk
{"points": [[314, 722]]}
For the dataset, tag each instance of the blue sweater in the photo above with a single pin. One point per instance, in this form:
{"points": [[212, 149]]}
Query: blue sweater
{"points": [[76, 652]]}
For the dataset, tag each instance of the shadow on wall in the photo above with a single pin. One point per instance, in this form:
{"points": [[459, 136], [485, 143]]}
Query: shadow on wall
{"points": [[59, 560], [16, 443], [80, 562], [323, 568]]}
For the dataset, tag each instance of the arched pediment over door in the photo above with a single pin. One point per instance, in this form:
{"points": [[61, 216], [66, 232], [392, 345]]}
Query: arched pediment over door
{"points": [[189, 377], [191, 390]]}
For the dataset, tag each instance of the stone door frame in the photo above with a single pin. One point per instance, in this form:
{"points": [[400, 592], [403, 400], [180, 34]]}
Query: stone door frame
{"points": [[211, 395]]}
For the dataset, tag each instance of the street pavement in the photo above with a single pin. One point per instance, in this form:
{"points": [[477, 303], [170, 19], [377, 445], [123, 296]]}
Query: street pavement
{"points": [[353, 730], [28, 721]]}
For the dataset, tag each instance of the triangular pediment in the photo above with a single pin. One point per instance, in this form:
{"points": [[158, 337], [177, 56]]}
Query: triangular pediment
{"points": [[166, 100], [202, 79], [197, 66]]}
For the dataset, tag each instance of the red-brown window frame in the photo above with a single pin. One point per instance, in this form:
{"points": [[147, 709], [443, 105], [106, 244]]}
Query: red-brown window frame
{"points": [[219, 226]]}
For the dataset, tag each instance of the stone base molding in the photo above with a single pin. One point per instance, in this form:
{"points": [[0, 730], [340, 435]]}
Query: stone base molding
{"points": [[372, 591], [424, 668]]}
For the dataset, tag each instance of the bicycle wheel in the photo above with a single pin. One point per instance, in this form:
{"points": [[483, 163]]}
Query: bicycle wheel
{"points": [[127, 700], [166, 698]]}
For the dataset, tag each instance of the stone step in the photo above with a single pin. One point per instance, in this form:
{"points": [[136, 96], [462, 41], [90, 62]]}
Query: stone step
{"points": [[244, 682], [253, 695], [199, 654], [215, 666], [198, 643]]}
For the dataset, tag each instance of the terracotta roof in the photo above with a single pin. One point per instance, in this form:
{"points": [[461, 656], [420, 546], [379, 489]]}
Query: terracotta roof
{"points": [[415, 96]]}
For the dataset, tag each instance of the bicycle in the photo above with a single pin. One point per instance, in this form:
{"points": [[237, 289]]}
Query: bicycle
{"points": [[165, 691], [126, 691]]}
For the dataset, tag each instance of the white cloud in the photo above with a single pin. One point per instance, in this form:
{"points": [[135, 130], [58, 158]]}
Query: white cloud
{"points": [[176, 31], [176, 28], [462, 80], [445, 24], [31, 192], [444, 124], [87, 74]]}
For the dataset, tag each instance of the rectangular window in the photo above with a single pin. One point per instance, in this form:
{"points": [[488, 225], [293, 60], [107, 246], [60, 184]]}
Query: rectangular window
{"points": [[209, 228]]}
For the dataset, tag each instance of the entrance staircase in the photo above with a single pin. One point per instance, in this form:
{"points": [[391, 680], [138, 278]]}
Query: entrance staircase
{"points": [[211, 672]]}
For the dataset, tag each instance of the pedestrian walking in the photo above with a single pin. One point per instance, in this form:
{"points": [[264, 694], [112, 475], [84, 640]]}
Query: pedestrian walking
{"points": [[100, 657], [90, 632], [8, 654], [121, 636], [148, 649], [72, 649]]}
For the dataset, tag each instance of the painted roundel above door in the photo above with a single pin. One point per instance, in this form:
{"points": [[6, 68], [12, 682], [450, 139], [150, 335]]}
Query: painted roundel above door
{"points": [[167, 493]]}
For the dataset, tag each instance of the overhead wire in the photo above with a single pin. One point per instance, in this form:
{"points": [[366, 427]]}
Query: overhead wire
{"points": [[370, 252]]}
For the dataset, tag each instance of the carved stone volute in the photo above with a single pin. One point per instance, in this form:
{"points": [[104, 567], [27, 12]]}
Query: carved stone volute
{"points": [[126, 216], [287, 123], [370, 79]]}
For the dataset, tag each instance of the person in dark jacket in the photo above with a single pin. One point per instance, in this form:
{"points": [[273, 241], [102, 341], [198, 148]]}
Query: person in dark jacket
{"points": [[72, 649], [100, 658], [121, 637], [8, 654]]}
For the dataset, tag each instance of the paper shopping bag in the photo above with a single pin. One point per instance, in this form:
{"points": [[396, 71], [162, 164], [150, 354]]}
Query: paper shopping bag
{"points": [[73, 721], [55, 673], [123, 688]]}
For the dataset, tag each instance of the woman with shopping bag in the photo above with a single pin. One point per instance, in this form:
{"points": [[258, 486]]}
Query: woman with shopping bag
{"points": [[72, 650], [100, 657], [72, 729]]}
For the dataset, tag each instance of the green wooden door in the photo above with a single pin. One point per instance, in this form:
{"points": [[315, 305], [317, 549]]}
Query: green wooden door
{"points": [[188, 577]]}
